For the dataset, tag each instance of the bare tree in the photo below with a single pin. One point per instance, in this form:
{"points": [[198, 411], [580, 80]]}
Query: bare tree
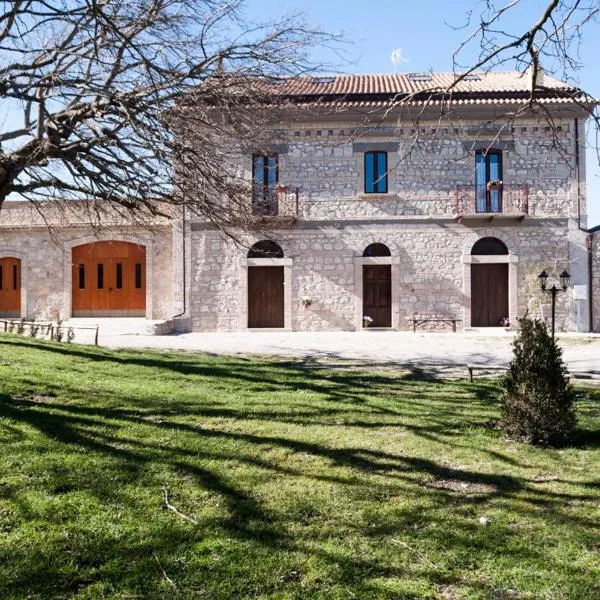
{"points": [[89, 88]]}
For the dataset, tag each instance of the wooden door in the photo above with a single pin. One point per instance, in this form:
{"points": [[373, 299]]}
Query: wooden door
{"points": [[377, 294], [489, 294], [109, 279], [265, 297], [10, 287]]}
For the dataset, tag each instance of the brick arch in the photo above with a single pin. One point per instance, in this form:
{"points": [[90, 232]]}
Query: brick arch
{"points": [[105, 237], [12, 252]]}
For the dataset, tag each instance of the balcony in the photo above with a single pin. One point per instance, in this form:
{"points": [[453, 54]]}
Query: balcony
{"points": [[277, 205], [482, 203]]}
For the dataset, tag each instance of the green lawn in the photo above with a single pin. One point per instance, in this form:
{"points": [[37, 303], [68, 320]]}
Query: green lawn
{"points": [[302, 483]]}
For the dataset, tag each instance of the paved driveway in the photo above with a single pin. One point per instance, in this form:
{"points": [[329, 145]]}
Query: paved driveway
{"points": [[581, 353]]}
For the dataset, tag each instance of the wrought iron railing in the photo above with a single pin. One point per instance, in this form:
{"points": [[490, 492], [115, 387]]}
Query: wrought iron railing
{"points": [[281, 201], [485, 199]]}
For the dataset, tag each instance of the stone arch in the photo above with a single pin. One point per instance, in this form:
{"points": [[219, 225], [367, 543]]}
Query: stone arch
{"points": [[368, 239], [106, 236], [266, 249], [474, 236]]}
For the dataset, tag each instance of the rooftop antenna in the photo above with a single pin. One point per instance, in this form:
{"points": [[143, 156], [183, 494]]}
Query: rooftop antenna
{"points": [[397, 58]]}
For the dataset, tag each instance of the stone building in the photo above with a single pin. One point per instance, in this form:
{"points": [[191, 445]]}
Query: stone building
{"points": [[379, 200]]}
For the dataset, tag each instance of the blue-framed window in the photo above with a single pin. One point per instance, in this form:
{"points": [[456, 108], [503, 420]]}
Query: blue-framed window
{"points": [[376, 172], [265, 173]]}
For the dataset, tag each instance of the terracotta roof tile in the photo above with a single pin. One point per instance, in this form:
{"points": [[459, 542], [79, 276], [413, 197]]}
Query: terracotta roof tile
{"points": [[380, 89]]}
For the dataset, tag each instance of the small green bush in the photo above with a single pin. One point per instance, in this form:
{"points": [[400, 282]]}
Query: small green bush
{"points": [[537, 402]]}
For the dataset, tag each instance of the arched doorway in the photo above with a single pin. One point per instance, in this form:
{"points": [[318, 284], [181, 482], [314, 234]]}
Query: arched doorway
{"points": [[489, 284], [377, 288], [266, 287], [10, 287], [109, 280]]}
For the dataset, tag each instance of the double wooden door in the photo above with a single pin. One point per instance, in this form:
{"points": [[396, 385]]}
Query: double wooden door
{"points": [[265, 297], [377, 294], [10, 287], [109, 279], [489, 294]]}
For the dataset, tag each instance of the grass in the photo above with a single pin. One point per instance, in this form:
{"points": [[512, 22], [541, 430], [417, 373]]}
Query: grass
{"points": [[302, 483]]}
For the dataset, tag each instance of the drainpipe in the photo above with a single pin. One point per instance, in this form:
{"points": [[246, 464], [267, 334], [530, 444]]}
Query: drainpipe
{"points": [[183, 257], [577, 172], [590, 249]]}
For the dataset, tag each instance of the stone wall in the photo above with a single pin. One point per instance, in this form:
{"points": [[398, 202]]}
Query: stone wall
{"points": [[595, 247], [429, 272], [46, 263], [426, 164]]}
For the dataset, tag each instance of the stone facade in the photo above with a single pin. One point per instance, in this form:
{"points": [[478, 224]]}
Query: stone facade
{"points": [[417, 220], [427, 220], [44, 244]]}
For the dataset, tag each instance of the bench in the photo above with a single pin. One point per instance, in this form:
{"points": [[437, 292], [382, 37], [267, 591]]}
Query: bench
{"points": [[418, 320]]}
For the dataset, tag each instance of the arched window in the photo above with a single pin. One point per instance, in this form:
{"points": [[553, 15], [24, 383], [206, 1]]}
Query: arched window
{"points": [[489, 245], [377, 250], [265, 249]]}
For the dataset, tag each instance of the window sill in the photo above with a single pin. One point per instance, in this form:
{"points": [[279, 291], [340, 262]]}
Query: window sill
{"points": [[388, 196]]}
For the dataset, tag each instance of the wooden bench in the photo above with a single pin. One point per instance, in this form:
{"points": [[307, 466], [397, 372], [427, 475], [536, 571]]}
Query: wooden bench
{"points": [[418, 320]]}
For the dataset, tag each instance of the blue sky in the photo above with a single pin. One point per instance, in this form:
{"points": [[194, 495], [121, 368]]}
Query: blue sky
{"points": [[426, 32]]}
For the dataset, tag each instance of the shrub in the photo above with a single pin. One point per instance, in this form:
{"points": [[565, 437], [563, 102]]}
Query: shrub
{"points": [[537, 402]]}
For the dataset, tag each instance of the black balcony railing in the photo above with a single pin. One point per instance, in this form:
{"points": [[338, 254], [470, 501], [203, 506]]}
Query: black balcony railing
{"points": [[492, 200], [280, 201]]}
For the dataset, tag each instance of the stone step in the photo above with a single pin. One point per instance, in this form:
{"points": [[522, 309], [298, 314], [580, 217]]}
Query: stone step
{"points": [[84, 327]]}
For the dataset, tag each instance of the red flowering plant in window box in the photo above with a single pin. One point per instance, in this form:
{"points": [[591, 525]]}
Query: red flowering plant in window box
{"points": [[493, 184]]}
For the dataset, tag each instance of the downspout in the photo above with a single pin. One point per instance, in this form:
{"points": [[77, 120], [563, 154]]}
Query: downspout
{"points": [[590, 248], [183, 257], [577, 172]]}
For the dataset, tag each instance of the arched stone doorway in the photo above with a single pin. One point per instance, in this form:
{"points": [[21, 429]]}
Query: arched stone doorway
{"points": [[266, 289], [109, 279], [10, 287], [377, 288], [489, 283]]}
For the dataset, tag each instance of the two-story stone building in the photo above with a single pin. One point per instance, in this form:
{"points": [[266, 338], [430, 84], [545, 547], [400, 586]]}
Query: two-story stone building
{"points": [[379, 198]]}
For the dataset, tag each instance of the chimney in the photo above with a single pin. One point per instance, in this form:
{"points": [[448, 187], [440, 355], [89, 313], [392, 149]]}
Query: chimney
{"points": [[536, 71]]}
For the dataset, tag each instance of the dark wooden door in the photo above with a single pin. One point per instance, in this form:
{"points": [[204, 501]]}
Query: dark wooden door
{"points": [[10, 287], [109, 279], [265, 297], [377, 294], [489, 294]]}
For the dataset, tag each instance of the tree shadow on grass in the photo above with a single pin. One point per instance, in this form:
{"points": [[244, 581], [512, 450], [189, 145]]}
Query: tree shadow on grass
{"points": [[366, 472]]}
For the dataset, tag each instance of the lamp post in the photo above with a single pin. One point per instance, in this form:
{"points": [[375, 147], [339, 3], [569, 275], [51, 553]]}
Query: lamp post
{"points": [[564, 284]]}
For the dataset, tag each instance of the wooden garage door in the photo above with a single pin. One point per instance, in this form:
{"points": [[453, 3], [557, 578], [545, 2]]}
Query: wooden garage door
{"points": [[377, 294], [109, 280], [10, 287], [489, 294], [265, 297]]}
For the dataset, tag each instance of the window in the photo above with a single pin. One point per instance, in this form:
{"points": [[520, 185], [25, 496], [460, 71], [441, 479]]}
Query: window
{"points": [[119, 276], [377, 249], [265, 249], [265, 177], [138, 276], [265, 173], [376, 172], [81, 276], [100, 276], [15, 277], [488, 170]]}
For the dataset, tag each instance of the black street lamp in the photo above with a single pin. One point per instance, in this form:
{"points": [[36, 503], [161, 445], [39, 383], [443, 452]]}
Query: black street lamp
{"points": [[564, 284]]}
